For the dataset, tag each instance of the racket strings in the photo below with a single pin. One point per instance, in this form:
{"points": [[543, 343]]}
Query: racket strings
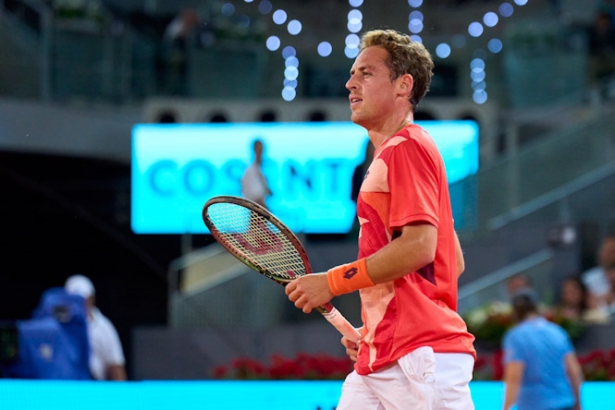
{"points": [[262, 243]]}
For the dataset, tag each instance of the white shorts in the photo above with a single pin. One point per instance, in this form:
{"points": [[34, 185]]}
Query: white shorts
{"points": [[421, 380]]}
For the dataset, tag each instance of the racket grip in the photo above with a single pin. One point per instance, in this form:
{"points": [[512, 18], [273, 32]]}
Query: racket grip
{"points": [[341, 324]]}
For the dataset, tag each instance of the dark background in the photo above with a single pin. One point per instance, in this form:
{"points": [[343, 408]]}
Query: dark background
{"points": [[65, 215]]}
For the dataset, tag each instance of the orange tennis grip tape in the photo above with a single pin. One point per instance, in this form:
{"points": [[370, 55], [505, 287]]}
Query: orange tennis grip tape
{"points": [[348, 278]]}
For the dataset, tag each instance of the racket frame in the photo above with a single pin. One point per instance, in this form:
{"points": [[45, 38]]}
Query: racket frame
{"points": [[327, 310], [264, 213]]}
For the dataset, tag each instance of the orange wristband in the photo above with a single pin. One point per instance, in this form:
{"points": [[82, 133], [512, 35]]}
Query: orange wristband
{"points": [[348, 278]]}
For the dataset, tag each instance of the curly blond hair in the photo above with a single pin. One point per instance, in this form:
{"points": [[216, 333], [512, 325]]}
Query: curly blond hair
{"points": [[405, 57]]}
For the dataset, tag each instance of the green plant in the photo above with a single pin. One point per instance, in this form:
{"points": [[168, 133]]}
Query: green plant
{"points": [[490, 322]]}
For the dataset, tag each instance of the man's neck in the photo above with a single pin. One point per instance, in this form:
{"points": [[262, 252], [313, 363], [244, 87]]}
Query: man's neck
{"points": [[379, 136]]}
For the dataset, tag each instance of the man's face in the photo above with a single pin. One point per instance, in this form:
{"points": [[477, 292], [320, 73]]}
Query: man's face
{"points": [[572, 293], [517, 283], [371, 91]]}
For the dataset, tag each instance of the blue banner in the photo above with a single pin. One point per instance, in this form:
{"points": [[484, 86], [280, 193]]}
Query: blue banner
{"points": [[176, 168]]}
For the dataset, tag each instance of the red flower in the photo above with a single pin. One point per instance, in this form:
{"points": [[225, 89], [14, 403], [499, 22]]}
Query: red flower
{"points": [[598, 365], [220, 372], [498, 366], [304, 366], [283, 368], [246, 368]]}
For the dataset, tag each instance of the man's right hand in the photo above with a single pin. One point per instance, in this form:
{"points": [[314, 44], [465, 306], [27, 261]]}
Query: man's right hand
{"points": [[352, 349]]}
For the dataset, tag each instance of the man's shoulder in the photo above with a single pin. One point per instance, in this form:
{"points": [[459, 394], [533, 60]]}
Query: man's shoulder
{"points": [[101, 320], [596, 270], [412, 137]]}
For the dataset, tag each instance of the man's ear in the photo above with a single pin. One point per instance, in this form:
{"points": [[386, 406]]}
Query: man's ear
{"points": [[405, 84]]}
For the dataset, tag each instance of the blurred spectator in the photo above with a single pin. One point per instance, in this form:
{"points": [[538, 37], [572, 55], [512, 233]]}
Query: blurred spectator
{"points": [[609, 298], [556, 7], [576, 303], [601, 39], [541, 370], [357, 180], [177, 36], [608, 7], [517, 282], [254, 185], [360, 170], [54, 343], [595, 279], [106, 354]]}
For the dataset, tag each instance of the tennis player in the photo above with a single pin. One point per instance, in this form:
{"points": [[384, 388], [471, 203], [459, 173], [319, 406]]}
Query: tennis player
{"points": [[415, 351]]}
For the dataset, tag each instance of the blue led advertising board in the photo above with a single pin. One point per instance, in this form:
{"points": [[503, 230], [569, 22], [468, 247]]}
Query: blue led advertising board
{"points": [[16, 394], [176, 168]]}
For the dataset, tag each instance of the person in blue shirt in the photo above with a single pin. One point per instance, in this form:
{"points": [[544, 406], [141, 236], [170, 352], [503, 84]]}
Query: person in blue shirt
{"points": [[541, 369]]}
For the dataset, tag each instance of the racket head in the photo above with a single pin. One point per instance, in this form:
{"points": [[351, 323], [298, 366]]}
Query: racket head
{"points": [[256, 237]]}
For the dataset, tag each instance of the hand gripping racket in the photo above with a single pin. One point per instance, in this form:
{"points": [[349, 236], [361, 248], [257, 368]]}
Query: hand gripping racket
{"points": [[261, 241]]}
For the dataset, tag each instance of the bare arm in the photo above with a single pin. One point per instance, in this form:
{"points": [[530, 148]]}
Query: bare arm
{"points": [[413, 249], [461, 264], [513, 375], [575, 375]]}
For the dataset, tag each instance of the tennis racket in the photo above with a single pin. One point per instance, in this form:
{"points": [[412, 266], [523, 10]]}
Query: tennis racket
{"points": [[261, 241]]}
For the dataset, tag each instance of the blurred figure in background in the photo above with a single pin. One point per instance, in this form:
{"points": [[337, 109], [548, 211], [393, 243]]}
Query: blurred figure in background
{"points": [[360, 170], [595, 279], [608, 7], [601, 38], [180, 31], [576, 303], [517, 282], [358, 175], [521, 282], [53, 344], [541, 369], [608, 302], [106, 355], [254, 185]]}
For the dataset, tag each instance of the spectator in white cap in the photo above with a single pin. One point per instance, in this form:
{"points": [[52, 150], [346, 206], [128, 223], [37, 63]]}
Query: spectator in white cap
{"points": [[106, 355]]}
